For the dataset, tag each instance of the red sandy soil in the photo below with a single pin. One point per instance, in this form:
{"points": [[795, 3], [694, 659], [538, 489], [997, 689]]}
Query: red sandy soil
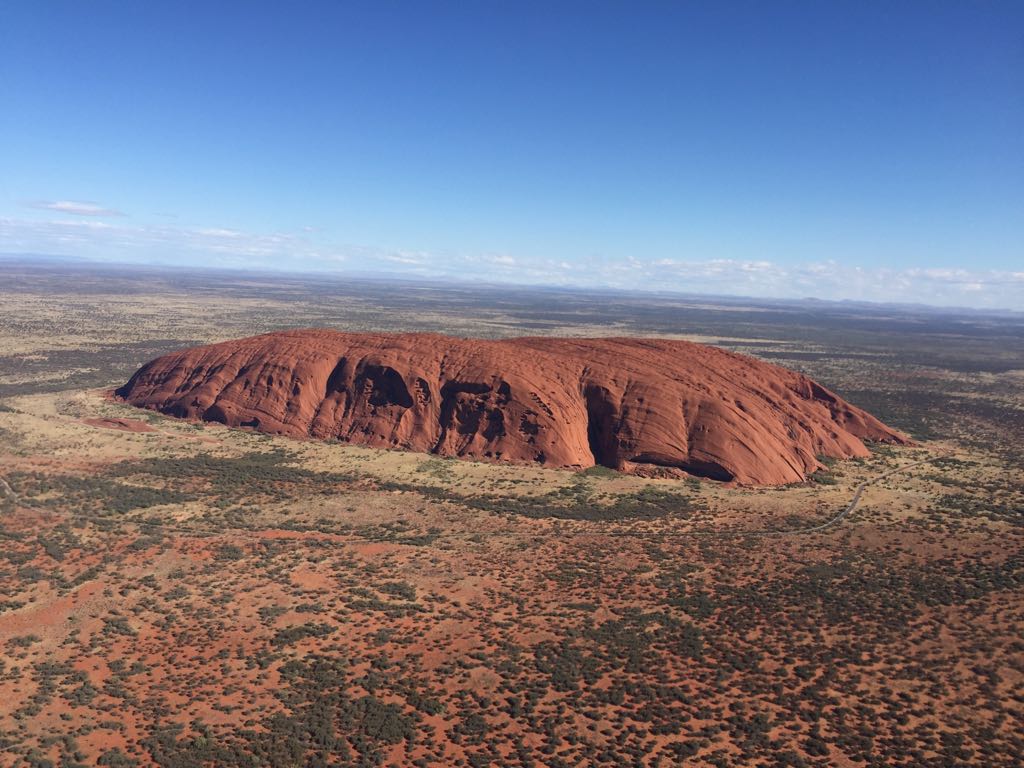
{"points": [[637, 405]]}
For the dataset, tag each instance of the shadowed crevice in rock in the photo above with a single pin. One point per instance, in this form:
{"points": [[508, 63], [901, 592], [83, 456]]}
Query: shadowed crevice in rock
{"points": [[601, 425], [385, 386]]}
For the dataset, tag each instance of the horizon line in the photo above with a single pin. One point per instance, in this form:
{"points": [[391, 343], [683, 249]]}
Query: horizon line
{"points": [[369, 275]]}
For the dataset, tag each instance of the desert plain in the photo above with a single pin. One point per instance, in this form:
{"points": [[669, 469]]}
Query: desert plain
{"points": [[177, 593]]}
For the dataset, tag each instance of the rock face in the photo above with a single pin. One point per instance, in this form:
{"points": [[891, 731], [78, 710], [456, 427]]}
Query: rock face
{"points": [[647, 406]]}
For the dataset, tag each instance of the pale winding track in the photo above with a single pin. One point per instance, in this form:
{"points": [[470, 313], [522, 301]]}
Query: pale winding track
{"points": [[853, 502]]}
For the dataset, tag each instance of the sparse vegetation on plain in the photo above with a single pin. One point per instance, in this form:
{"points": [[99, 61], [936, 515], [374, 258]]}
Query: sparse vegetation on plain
{"points": [[192, 598]]}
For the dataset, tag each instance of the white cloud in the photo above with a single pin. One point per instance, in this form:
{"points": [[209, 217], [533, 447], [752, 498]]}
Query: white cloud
{"points": [[105, 241], [218, 232], [408, 257], [74, 207]]}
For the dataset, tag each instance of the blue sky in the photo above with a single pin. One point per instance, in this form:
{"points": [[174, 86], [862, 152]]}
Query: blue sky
{"points": [[868, 150]]}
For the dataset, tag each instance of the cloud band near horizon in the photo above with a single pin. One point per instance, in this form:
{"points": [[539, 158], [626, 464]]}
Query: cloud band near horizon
{"points": [[89, 238]]}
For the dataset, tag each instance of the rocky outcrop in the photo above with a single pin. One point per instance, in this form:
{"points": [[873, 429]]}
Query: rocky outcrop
{"points": [[637, 405]]}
